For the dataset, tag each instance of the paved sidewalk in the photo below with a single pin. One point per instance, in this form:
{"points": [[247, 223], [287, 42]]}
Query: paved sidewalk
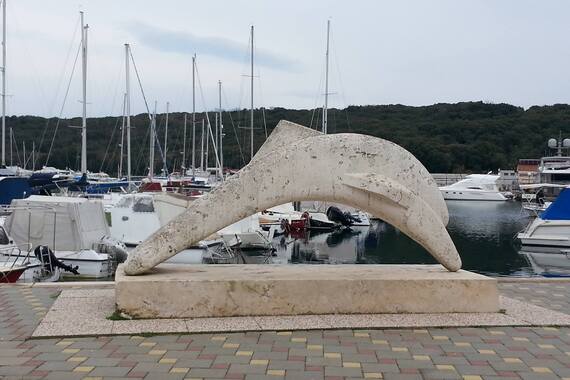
{"points": [[450, 353]]}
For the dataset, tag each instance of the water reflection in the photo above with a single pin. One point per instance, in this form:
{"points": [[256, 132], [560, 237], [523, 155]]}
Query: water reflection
{"points": [[483, 233]]}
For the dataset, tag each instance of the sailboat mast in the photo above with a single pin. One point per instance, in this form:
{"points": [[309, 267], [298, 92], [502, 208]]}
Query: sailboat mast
{"points": [[128, 111], [152, 131], [184, 147], [326, 106], [4, 84], [120, 172], [194, 115], [84, 29], [251, 111], [221, 130], [166, 135], [202, 149]]}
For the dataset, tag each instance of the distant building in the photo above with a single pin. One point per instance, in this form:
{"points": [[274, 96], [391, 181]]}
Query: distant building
{"points": [[527, 171]]}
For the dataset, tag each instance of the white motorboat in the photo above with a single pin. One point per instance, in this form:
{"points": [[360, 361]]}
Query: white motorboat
{"points": [[137, 216], [552, 228], [75, 229], [474, 187]]}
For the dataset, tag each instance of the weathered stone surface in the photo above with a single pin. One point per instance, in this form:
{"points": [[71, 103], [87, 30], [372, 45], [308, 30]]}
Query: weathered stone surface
{"points": [[172, 291], [296, 164]]}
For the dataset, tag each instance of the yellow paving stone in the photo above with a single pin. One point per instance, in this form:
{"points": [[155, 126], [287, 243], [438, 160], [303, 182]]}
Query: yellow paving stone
{"points": [[550, 328], [379, 341], [399, 349], [276, 372], [520, 339], [567, 353], [421, 357], [463, 344], [299, 340], [83, 369], [420, 331], [244, 353], [495, 332], [351, 364], [546, 346], [361, 334], [440, 337], [222, 338], [372, 375], [230, 345], [512, 360], [77, 359], [284, 333], [167, 361], [157, 352], [314, 347], [541, 369], [137, 337], [71, 350], [471, 377], [332, 355], [147, 344], [64, 343], [179, 370], [445, 367], [487, 352], [93, 378], [259, 362]]}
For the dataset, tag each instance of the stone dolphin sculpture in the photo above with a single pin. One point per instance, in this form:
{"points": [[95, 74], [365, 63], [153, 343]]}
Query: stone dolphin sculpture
{"points": [[297, 163]]}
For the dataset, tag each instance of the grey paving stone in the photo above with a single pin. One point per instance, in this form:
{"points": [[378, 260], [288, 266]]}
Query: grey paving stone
{"points": [[342, 371], [110, 371], [246, 368], [206, 372]]}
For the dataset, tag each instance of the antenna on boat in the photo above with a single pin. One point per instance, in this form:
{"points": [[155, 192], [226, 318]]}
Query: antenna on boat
{"points": [[84, 29], [152, 132], [4, 86], [326, 105]]}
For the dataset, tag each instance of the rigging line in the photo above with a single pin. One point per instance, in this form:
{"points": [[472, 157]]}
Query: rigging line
{"points": [[234, 127], [209, 127], [109, 144], [140, 85], [142, 148], [63, 104], [59, 82], [260, 91], [342, 91], [317, 96]]}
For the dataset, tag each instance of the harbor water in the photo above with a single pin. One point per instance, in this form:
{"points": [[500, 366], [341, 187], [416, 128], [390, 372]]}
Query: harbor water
{"points": [[483, 232]]}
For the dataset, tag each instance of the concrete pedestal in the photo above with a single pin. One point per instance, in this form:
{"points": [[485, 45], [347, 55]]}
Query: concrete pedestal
{"points": [[175, 291]]}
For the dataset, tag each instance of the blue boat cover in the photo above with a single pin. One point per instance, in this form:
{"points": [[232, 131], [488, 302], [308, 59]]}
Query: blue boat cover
{"points": [[560, 208]]}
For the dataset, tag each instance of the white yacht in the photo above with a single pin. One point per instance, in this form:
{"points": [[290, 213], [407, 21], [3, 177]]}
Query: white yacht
{"points": [[551, 230], [75, 229], [474, 187]]}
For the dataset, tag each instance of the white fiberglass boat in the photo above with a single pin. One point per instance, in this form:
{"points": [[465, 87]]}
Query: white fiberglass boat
{"points": [[137, 216], [552, 228], [75, 229], [474, 187]]}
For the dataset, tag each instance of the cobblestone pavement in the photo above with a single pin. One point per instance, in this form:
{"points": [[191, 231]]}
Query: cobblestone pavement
{"points": [[444, 353]]}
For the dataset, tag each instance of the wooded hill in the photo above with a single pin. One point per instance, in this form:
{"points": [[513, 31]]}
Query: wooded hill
{"points": [[462, 137]]}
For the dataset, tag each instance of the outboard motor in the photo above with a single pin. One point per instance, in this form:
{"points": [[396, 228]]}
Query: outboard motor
{"points": [[47, 257], [113, 247], [344, 218]]}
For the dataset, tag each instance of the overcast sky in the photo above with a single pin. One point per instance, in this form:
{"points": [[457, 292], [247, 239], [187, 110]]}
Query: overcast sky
{"points": [[382, 52]]}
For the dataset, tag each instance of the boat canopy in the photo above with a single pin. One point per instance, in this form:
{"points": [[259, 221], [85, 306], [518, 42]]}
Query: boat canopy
{"points": [[560, 208], [62, 223]]}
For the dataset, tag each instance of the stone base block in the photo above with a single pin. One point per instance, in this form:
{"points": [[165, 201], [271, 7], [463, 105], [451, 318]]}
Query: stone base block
{"points": [[188, 291]]}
